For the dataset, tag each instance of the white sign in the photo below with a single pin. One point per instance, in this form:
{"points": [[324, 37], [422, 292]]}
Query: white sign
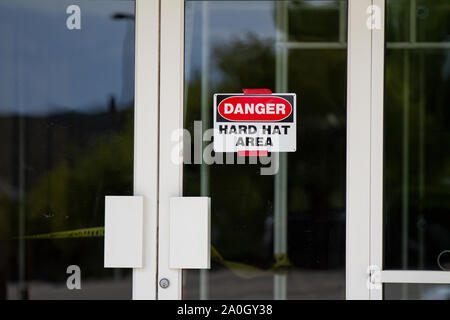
{"points": [[261, 122]]}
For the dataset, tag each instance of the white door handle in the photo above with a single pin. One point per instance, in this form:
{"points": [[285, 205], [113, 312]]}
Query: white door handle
{"points": [[190, 226]]}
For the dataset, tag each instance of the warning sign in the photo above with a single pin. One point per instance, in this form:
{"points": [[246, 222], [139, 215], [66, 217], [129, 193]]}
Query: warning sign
{"points": [[255, 122]]}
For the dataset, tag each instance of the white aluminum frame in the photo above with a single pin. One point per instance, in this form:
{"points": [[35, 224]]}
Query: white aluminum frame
{"points": [[414, 276], [376, 146], [358, 149], [171, 118], [146, 126]]}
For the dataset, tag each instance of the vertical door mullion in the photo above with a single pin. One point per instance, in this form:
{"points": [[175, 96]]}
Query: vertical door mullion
{"points": [[376, 172], [146, 140], [170, 139], [358, 150]]}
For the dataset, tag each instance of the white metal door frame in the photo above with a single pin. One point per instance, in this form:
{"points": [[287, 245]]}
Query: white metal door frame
{"points": [[146, 132], [170, 153], [158, 99], [376, 144], [358, 149]]}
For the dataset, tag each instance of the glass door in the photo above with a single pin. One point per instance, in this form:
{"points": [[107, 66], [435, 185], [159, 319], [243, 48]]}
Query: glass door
{"points": [[279, 233], [409, 224], [416, 179], [67, 137]]}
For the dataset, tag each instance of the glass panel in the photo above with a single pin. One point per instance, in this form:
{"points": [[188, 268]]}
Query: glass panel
{"points": [[396, 291], [416, 136], [432, 18], [398, 19], [66, 130], [276, 236], [310, 21]]}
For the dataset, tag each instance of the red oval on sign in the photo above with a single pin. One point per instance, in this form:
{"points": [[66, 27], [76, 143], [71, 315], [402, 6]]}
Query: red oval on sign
{"points": [[255, 108]]}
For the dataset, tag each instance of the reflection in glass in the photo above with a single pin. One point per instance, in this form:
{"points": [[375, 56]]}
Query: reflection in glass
{"points": [[279, 236], [416, 291], [417, 135], [66, 130]]}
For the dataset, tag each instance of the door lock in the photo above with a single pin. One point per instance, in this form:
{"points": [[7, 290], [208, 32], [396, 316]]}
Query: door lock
{"points": [[164, 283]]}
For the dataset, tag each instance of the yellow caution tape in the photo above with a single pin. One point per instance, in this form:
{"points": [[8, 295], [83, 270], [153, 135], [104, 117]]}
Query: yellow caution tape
{"points": [[78, 233], [239, 269], [247, 271]]}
